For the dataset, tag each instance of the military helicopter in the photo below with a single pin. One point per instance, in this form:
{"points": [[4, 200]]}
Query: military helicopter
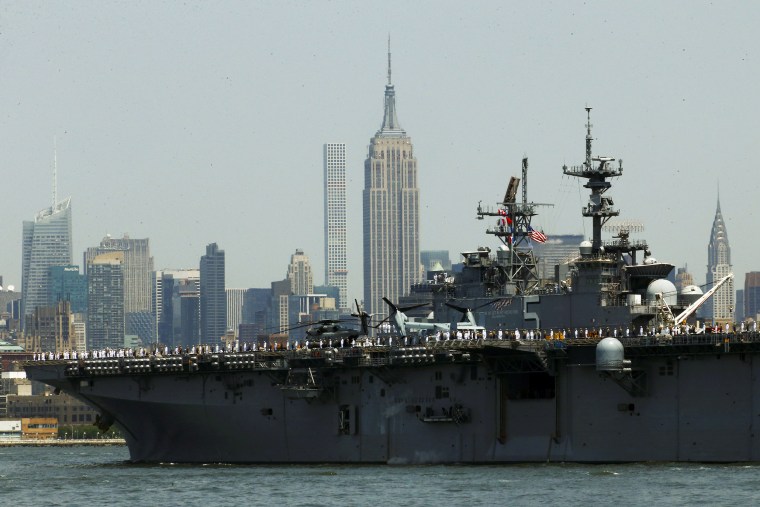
{"points": [[332, 331], [329, 330], [467, 322], [403, 324]]}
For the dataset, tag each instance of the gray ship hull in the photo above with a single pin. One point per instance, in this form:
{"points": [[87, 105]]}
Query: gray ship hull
{"points": [[485, 402]]}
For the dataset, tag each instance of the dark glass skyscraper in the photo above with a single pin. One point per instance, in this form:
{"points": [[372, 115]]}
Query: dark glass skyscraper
{"points": [[256, 308], [178, 306], [105, 302], [65, 283], [752, 295], [213, 295]]}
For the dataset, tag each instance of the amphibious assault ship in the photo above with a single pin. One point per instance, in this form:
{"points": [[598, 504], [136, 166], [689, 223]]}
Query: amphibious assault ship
{"points": [[616, 371]]}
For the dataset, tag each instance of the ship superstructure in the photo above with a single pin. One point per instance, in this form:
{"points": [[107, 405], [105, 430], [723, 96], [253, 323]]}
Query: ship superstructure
{"points": [[612, 284]]}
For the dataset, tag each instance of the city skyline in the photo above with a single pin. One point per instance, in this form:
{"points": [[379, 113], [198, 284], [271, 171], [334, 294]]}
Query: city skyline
{"points": [[176, 125]]}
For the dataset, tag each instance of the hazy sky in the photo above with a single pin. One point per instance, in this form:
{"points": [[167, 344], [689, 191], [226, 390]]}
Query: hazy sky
{"points": [[198, 122]]}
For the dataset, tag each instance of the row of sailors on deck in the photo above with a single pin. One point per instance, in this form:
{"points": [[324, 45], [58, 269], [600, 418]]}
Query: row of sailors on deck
{"points": [[579, 333], [154, 351], [466, 335]]}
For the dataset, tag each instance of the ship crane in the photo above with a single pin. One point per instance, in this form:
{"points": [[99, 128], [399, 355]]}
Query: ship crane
{"points": [[681, 317], [696, 304]]}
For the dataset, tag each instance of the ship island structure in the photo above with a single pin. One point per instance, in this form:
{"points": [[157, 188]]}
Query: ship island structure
{"points": [[606, 364]]}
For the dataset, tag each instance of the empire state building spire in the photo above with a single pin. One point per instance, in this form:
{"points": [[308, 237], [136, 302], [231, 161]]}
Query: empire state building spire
{"points": [[390, 122]]}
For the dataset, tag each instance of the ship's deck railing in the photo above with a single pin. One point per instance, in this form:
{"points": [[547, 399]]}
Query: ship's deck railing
{"points": [[372, 356], [691, 339], [636, 309]]}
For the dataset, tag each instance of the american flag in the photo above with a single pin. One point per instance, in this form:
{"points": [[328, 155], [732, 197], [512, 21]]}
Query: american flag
{"points": [[503, 213], [536, 235]]}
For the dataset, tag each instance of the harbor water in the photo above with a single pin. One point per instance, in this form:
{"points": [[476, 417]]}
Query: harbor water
{"points": [[35, 476]]}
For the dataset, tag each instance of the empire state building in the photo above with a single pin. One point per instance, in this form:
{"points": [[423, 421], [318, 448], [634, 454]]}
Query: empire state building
{"points": [[391, 211]]}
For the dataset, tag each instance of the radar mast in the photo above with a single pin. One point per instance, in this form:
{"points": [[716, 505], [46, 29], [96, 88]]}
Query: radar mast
{"points": [[513, 229], [599, 208]]}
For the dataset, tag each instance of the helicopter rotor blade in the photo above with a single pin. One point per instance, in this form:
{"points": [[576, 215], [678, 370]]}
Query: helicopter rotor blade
{"points": [[460, 309]]}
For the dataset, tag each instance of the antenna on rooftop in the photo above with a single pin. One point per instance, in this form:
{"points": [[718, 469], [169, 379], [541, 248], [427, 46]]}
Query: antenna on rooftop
{"points": [[588, 137], [55, 172], [630, 225], [389, 59]]}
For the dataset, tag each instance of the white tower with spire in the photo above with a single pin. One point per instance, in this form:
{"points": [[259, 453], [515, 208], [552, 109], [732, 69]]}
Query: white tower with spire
{"points": [[46, 242], [336, 271], [391, 210], [720, 308]]}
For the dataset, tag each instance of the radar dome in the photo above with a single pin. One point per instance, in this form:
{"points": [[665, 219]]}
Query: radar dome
{"points": [[691, 289], [609, 355], [690, 294], [586, 247], [664, 287]]}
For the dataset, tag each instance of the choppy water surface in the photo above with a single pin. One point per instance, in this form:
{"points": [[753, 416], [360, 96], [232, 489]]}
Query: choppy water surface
{"points": [[100, 475]]}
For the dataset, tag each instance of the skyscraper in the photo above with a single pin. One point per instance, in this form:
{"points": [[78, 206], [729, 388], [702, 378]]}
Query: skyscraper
{"points": [[177, 306], [213, 295], [65, 283], [234, 308], [300, 274], [739, 308], [752, 295], [720, 308], [105, 301], [46, 243], [556, 251], [336, 272], [279, 306], [137, 269], [683, 279], [391, 210], [51, 327], [257, 305]]}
